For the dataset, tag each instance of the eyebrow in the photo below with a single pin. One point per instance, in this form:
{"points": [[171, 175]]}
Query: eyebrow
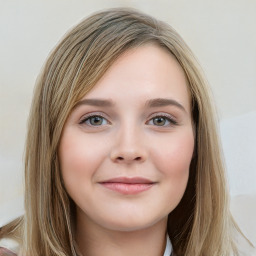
{"points": [[162, 102], [152, 103], [95, 102]]}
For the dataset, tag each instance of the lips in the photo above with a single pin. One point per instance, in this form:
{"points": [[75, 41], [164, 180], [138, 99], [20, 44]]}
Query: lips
{"points": [[128, 185]]}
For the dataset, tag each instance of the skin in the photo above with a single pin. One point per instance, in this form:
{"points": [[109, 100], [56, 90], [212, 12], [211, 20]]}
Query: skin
{"points": [[129, 138]]}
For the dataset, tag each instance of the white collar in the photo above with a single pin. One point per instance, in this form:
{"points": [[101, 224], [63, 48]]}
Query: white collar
{"points": [[168, 248], [11, 245]]}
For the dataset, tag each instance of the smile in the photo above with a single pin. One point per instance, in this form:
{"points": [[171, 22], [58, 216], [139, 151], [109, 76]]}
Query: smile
{"points": [[128, 186]]}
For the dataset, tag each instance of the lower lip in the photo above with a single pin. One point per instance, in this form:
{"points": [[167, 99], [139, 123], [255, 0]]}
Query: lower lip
{"points": [[127, 188]]}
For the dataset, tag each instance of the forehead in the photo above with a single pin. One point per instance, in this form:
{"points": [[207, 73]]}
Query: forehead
{"points": [[141, 73]]}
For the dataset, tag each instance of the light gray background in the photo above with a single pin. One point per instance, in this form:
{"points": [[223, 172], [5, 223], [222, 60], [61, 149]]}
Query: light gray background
{"points": [[220, 33]]}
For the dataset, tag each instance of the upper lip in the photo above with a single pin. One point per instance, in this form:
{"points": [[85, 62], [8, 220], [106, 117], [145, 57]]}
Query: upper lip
{"points": [[129, 180]]}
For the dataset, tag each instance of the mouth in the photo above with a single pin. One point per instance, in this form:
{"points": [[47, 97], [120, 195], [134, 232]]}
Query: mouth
{"points": [[127, 185]]}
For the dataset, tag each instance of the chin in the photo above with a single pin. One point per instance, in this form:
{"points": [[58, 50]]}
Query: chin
{"points": [[127, 224]]}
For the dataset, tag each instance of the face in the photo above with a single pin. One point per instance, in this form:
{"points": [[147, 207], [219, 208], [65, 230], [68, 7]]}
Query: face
{"points": [[126, 147]]}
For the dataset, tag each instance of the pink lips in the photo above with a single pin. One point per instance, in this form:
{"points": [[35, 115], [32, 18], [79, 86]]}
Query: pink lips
{"points": [[128, 186]]}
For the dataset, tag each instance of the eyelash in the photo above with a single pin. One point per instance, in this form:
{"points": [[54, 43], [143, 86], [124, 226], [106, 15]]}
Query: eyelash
{"points": [[87, 117], [167, 117]]}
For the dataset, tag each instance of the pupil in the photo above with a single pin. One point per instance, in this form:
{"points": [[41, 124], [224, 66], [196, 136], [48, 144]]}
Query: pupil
{"points": [[159, 121], [96, 120]]}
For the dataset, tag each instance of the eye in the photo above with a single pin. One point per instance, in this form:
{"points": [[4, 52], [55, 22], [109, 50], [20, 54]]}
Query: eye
{"points": [[162, 120], [94, 120]]}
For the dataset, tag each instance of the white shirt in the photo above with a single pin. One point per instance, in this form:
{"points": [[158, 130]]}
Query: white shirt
{"points": [[168, 248], [14, 247]]}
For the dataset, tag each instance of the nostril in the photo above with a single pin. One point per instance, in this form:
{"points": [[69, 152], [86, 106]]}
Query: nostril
{"points": [[120, 158]]}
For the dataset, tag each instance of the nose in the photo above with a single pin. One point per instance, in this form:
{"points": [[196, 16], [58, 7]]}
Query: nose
{"points": [[129, 148]]}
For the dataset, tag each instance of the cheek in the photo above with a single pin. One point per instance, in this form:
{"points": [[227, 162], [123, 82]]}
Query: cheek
{"points": [[175, 154], [173, 161], [78, 161]]}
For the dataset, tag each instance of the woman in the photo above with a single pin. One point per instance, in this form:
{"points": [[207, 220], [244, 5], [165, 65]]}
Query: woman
{"points": [[122, 154]]}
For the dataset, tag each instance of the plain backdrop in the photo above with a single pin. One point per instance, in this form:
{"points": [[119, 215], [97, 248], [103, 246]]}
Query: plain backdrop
{"points": [[220, 33]]}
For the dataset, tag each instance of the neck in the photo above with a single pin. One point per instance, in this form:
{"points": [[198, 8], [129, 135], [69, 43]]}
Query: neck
{"points": [[95, 240]]}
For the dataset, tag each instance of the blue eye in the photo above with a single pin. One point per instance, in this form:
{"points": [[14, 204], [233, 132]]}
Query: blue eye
{"points": [[95, 120]]}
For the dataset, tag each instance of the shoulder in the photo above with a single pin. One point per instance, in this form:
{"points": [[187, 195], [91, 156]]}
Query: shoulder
{"points": [[6, 252], [8, 247]]}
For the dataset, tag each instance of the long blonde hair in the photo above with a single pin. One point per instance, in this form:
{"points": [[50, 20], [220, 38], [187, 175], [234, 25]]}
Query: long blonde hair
{"points": [[201, 224]]}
